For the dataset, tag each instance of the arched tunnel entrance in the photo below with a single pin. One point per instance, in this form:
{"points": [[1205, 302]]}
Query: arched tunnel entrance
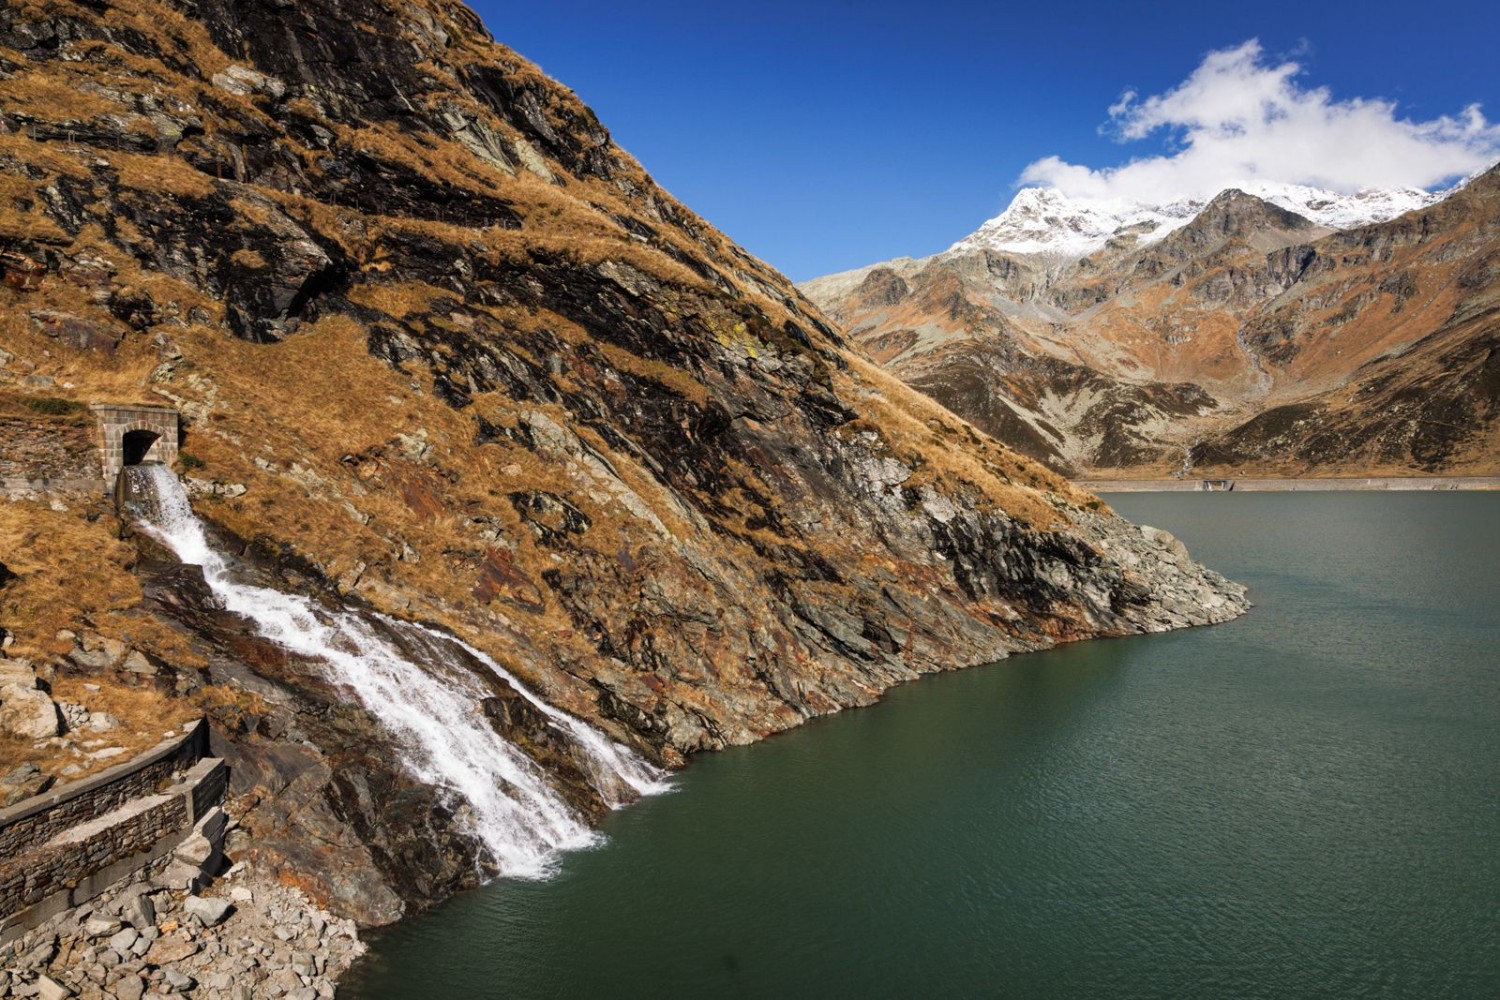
{"points": [[133, 434], [137, 447]]}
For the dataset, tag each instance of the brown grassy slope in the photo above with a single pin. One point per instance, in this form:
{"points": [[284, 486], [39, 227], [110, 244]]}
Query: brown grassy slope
{"points": [[473, 366]]}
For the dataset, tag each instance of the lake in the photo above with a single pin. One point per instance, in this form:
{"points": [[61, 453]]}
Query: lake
{"points": [[1301, 803]]}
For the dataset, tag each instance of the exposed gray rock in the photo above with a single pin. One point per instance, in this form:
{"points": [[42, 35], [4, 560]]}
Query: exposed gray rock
{"points": [[139, 911], [124, 940], [17, 671], [22, 783], [209, 910], [100, 926], [177, 982], [216, 950], [28, 713], [102, 721], [136, 663]]}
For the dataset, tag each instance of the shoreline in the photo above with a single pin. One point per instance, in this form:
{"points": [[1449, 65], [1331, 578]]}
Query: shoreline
{"points": [[1289, 484]]}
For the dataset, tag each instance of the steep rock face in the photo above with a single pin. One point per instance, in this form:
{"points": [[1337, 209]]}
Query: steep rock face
{"points": [[1197, 345], [443, 350]]}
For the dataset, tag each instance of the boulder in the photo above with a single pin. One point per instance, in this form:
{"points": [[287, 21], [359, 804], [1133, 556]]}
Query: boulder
{"points": [[139, 911], [178, 982], [124, 940], [196, 850], [100, 926], [100, 721], [136, 663], [17, 672], [28, 713], [98, 652], [22, 783], [208, 909], [170, 949]]}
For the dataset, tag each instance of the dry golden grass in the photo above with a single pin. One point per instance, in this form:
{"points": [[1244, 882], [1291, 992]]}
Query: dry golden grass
{"points": [[45, 409], [179, 31], [75, 574], [95, 377], [43, 93], [252, 260], [145, 716], [156, 175]]}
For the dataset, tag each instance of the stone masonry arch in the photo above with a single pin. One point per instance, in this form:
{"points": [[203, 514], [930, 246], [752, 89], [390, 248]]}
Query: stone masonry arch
{"points": [[131, 435]]}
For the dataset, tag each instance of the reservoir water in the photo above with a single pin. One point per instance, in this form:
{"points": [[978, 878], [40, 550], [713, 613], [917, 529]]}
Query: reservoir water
{"points": [[1302, 803]]}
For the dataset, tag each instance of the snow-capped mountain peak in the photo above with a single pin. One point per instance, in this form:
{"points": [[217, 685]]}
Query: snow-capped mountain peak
{"points": [[1044, 220]]}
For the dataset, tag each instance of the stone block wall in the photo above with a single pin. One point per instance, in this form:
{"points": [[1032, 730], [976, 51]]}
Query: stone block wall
{"points": [[61, 850], [63, 864], [117, 421], [37, 455], [210, 781], [30, 824]]}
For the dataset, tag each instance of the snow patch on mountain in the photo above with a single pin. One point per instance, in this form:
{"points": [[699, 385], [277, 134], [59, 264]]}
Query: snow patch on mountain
{"points": [[1044, 220]]}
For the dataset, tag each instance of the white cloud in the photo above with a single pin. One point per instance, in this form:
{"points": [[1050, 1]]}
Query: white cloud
{"points": [[1241, 117]]}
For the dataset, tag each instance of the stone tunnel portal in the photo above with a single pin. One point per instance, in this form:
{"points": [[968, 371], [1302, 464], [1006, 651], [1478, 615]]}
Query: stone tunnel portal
{"points": [[130, 435]]}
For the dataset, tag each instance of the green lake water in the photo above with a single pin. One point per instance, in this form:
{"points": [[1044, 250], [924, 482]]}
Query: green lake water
{"points": [[1302, 803]]}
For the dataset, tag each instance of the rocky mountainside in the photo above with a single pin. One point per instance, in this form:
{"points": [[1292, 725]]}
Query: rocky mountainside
{"points": [[1251, 334], [444, 352]]}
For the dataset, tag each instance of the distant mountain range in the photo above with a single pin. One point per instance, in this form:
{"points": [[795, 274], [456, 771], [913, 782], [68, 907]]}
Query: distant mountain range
{"points": [[1042, 220], [1276, 328]]}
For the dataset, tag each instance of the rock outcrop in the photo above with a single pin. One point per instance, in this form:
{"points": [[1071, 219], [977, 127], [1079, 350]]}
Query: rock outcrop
{"points": [[462, 361]]}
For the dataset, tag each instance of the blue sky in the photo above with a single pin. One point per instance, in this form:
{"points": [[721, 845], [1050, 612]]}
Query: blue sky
{"points": [[826, 135]]}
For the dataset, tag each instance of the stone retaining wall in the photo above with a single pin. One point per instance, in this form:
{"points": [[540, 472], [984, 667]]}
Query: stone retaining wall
{"points": [[31, 823], [69, 861], [37, 450], [86, 858]]}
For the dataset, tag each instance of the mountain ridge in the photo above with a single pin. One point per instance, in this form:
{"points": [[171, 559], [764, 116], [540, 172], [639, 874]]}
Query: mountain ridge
{"points": [[1141, 356], [1046, 220]]}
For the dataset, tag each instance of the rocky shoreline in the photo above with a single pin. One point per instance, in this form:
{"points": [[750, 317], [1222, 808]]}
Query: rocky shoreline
{"points": [[246, 937], [1294, 484]]}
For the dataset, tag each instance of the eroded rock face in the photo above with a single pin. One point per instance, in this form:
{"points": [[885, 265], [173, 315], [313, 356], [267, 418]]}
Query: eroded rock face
{"points": [[465, 363]]}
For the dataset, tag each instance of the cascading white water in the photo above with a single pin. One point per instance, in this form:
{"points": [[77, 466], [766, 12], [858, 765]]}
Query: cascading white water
{"points": [[516, 814], [619, 776]]}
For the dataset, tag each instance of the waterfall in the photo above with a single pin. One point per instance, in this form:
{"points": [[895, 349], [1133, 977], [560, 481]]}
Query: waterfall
{"points": [[618, 775], [433, 709]]}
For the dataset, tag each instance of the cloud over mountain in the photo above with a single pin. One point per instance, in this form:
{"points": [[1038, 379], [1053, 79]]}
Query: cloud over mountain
{"points": [[1242, 117]]}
